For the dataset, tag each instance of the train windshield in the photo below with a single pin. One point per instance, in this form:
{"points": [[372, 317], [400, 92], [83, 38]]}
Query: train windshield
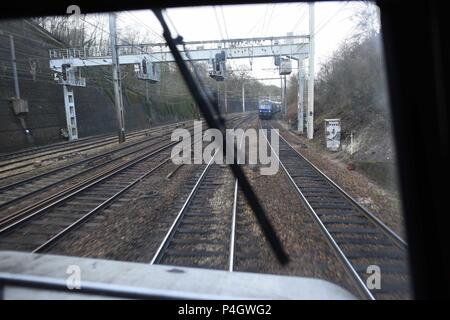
{"points": [[106, 153]]}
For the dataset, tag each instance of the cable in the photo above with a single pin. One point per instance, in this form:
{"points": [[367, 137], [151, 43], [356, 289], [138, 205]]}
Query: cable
{"points": [[254, 26], [270, 19], [224, 22], [264, 21], [331, 17], [145, 25], [304, 9], [27, 38], [119, 38], [218, 23]]}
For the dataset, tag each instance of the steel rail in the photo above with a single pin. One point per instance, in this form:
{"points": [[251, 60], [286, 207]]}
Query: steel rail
{"points": [[233, 228], [233, 219]]}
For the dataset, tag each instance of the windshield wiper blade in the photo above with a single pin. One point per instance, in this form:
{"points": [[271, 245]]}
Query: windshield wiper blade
{"points": [[207, 107]]}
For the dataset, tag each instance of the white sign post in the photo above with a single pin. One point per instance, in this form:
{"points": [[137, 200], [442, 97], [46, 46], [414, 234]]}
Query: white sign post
{"points": [[333, 133]]}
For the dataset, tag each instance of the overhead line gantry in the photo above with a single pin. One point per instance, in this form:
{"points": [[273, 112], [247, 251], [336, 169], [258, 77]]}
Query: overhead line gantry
{"points": [[147, 57]]}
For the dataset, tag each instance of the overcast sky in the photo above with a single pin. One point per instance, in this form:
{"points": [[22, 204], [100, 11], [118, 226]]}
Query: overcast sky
{"points": [[334, 22]]}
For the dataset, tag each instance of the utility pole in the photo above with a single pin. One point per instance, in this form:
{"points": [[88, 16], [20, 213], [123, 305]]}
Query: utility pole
{"points": [[218, 96], [282, 91], [243, 96], [20, 106], [300, 96], [310, 128], [226, 101], [66, 62], [117, 78], [285, 97], [14, 67]]}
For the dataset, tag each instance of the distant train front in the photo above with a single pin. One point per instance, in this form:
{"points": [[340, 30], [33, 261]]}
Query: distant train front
{"points": [[267, 108]]}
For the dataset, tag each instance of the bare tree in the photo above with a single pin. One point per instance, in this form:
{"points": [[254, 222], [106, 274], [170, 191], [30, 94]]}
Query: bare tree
{"points": [[367, 21]]}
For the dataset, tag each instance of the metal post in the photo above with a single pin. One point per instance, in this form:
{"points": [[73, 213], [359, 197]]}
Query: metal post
{"points": [[300, 96], [117, 78], [14, 67], [310, 128], [351, 143], [218, 96], [243, 97], [226, 102], [71, 119], [282, 91], [285, 97]]}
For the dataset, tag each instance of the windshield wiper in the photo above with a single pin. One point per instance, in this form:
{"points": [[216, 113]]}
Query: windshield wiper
{"points": [[216, 121]]}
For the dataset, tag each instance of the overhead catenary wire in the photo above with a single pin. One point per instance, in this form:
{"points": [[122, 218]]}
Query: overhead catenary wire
{"points": [[269, 21], [224, 22], [323, 24], [264, 20], [122, 40], [218, 23], [304, 10], [254, 26], [145, 25]]}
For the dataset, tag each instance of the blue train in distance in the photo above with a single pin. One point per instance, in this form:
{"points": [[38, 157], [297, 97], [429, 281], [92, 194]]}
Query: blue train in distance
{"points": [[268, 108]]}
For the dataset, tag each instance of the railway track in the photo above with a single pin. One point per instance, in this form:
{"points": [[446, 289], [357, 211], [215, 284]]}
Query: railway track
{"points": [[54, 146], [200, 233], [19, 193], [203, 232], [39, 226], [23, 160], [360, 240], [32, 153]]}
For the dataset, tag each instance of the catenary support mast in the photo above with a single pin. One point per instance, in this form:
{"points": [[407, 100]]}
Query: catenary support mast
{"points": [[310, 128], [116, 78]]}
